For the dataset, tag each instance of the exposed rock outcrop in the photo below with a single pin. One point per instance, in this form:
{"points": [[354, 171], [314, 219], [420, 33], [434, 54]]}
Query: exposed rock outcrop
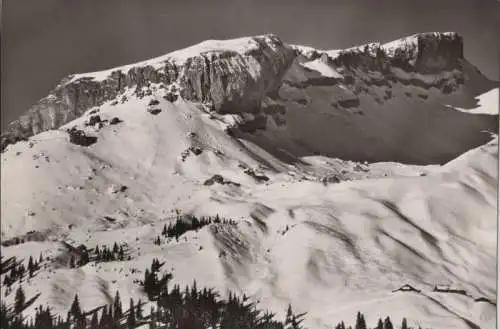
{"points": [[233, 79], [78, 137], [233, 76], [425, 53], [236, 82], [219, 180]]}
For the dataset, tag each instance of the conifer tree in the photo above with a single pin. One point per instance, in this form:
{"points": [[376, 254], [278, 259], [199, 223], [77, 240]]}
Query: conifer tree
{"points": [[102, 254], [13, 273], [289, 314], [21, 270], [122, 254], [48, 320], [404, 325], [6, 280], [138, 313], [108, 320], [102, 322], [148, 284], [131, 321], [4, 320], [19, 300], [155, 265], [388, 323], [80, 322], [75, 309], [97, 253], [194, 291], [31, 266], [360, 322], [117, 306], [380, 324], [94, 323], [291, 322]]}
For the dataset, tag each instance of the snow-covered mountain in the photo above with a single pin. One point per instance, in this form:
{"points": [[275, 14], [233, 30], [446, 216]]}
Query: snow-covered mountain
{"points": [[349, 173]]}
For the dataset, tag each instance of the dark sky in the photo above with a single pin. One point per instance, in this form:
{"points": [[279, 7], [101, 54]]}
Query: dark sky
{"points": [[44, 40]]}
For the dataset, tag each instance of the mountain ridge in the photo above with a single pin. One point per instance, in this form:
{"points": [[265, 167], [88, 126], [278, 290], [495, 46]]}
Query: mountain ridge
{"points": [[233, 75]]}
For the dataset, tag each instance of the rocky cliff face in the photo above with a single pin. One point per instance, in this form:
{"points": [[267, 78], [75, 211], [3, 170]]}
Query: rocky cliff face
{"points": [[233, 76], [438, 51], [234, 82], [425, 53]]}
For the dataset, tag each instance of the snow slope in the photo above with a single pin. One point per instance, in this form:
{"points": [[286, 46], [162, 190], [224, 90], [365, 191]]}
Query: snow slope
{"points": [[487, 103], [338, 225]]}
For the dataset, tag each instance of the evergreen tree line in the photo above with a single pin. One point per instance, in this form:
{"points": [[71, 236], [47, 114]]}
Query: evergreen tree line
{"points": [[107, 254], [18, 270], [173, 308], [381, 324], [99, 255], [180, 226], [201, 308], [191, 309]]}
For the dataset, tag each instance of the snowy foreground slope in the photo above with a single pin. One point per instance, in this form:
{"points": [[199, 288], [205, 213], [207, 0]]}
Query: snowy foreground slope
{"points": [[349, 173]]}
